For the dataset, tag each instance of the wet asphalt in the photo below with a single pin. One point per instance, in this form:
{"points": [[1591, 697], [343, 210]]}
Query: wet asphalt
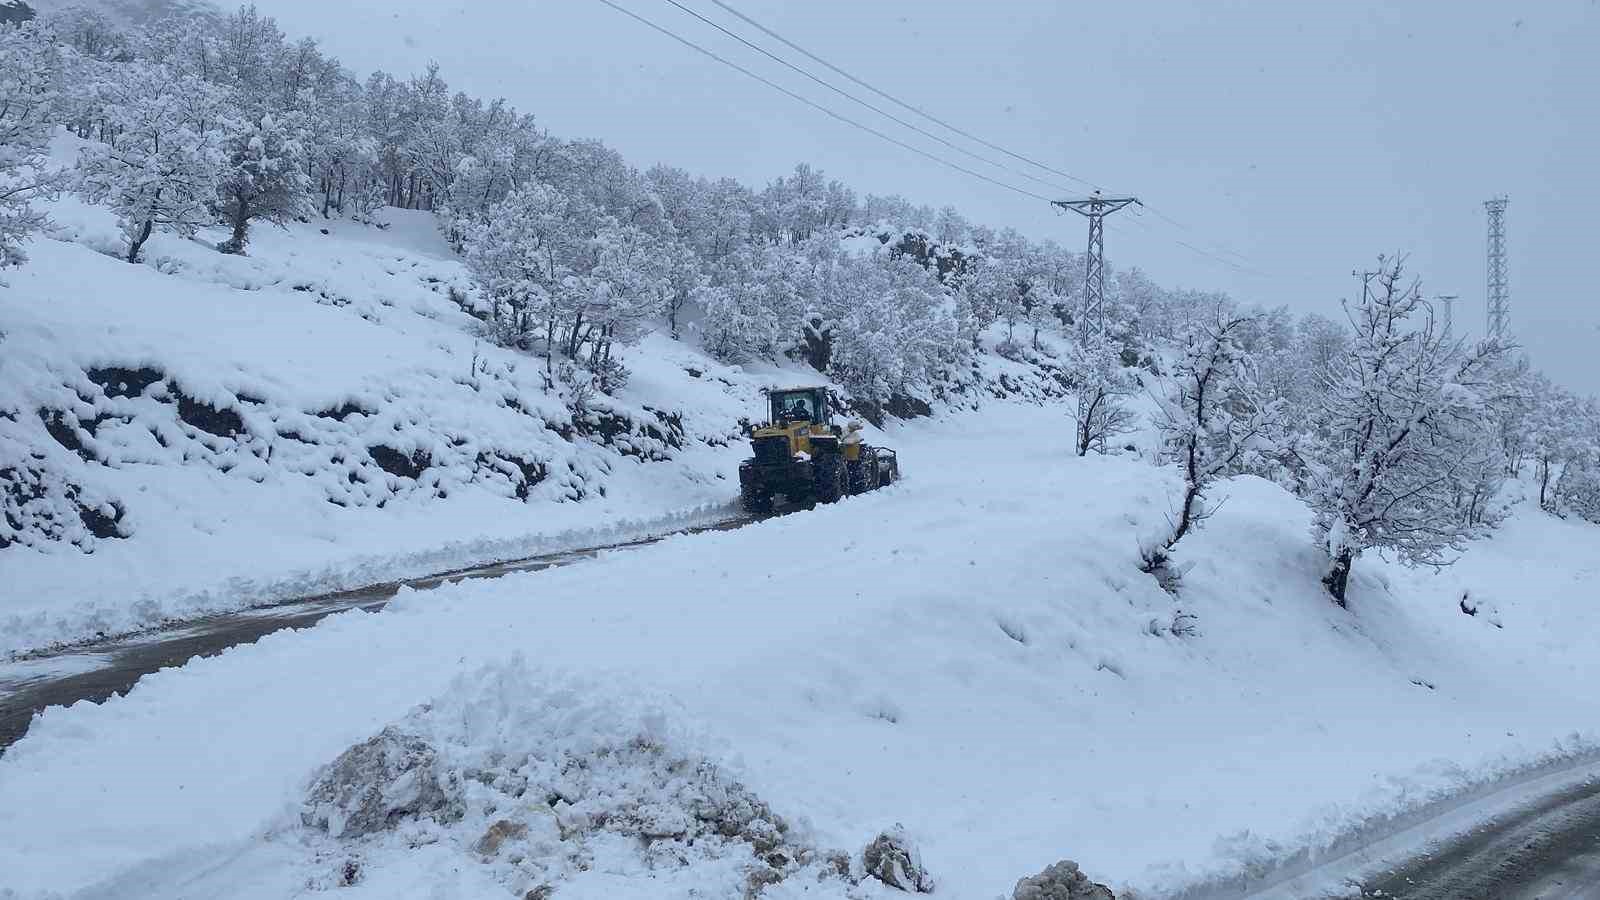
{"points": [[1546, 850], [98, 670]]}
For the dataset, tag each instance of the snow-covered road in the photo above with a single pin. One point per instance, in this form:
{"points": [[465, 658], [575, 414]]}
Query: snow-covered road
{"points": [[97, 670]]}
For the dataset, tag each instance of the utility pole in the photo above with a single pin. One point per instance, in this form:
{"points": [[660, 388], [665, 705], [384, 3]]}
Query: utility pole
{"points": [[1449, 301], [1366, 282], [1498, 298], [1095, 208]]}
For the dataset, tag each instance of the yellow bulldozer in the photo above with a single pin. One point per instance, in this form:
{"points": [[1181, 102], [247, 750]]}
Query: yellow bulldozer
{"points": [[802, 456]]}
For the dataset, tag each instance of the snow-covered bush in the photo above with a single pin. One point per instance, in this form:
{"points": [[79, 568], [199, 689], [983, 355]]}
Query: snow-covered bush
{"points": [[41, 505], [1577, 491]]}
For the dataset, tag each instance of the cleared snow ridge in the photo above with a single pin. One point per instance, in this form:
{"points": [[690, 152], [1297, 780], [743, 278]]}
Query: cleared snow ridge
{"points": [[532, 779]]}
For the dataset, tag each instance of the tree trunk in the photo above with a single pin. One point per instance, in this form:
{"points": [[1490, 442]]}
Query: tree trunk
{"points": [[134, 244], [1337, 581], [1186, 519], [241, 226]]}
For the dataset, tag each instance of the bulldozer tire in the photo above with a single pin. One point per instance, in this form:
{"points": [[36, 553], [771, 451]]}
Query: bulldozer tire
{"points": [[828, 479], [861, 472], [754, 502]]}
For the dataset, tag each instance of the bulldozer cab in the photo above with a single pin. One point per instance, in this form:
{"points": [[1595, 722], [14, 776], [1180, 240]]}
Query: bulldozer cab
{"points": [[799, 405]]}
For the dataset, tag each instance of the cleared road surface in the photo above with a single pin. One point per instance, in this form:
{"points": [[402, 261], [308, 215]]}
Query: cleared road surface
{"points": [[1546, 850], [98, 670]]}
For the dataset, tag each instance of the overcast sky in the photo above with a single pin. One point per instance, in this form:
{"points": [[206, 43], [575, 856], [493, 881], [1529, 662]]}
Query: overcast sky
{"points": [[1306, 137]]}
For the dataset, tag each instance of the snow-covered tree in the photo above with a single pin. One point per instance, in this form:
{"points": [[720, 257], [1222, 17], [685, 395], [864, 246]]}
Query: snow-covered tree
{"points": [[625, 286], [755, 305], [163, 163], [264, 175], [1562, 430], [993, 296], [1577, 491], [685, 283], [1213, 418], [1101, 411], [525, 255], [1394, 412], [30, 94], [894, 329]]}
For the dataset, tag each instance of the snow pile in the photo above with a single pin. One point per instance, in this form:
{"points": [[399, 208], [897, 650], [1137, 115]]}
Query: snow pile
{"points": [[535, 781]]}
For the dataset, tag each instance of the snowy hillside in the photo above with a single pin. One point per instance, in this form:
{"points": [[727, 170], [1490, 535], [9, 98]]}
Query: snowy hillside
{"points": [[210, 431], [972, 655], [213, 430]]}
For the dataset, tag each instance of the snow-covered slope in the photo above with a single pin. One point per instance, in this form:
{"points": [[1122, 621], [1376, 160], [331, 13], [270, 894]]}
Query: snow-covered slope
{"points": [[207, 431], [972, 654]]}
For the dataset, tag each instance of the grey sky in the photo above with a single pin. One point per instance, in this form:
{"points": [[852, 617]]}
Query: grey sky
{"points": [[1307, 137]]}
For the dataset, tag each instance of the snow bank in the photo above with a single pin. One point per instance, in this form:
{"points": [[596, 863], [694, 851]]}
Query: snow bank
{"points": [[972, 653], [536, 779]]}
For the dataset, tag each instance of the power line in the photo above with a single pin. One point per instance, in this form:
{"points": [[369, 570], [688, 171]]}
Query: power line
{"points": [[860, 102], [895, 100], [1141, 222], [880, 134], [1201, 251], [1216, 255], [1182, 227], [819, 107]]}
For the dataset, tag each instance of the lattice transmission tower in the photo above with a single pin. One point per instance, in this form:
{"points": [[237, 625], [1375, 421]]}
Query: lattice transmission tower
{"points": [[1095, 209], [1498, 298]]}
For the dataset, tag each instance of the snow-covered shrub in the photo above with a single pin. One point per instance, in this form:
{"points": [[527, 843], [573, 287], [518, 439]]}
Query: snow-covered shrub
{"points": [[1577, 492], [40, 505]]}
